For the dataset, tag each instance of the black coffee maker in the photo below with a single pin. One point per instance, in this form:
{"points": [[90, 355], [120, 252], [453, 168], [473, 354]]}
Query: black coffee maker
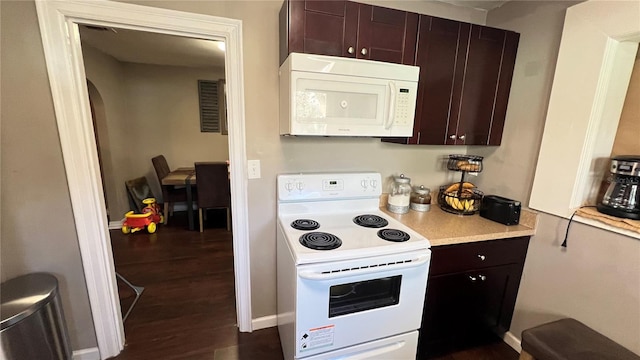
{"points": [[622, 198]]}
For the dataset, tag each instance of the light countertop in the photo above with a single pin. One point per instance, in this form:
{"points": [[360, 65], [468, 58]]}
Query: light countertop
{"points": [[443, 228]]}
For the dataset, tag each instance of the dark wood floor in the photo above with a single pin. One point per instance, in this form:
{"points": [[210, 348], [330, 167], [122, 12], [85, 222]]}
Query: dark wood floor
{"points": [[495, 351], [187, 310]]}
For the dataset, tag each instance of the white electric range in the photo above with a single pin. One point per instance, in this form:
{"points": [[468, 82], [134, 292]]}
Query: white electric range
{"points": [[351, 280]]}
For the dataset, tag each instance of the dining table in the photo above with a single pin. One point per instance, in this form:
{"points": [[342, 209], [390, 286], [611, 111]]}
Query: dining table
{"points": [[184, 176]]}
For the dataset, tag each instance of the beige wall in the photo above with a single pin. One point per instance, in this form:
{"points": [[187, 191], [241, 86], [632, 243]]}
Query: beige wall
{"points": [[38, 232], [628, 136], [292, 154], [149, 110], [597, 278], [107, 75], [164, 118], [540, 25], [578, 282]]}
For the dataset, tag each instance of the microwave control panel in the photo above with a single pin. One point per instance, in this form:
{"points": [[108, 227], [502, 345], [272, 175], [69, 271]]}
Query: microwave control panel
{"points": [[404, 110]]}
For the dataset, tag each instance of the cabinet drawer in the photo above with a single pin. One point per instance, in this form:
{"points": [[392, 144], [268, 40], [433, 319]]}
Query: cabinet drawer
{"points": [[477, 255]]}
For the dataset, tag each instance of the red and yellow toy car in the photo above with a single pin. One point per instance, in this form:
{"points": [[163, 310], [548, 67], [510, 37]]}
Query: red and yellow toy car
{"points": [[149, 218]]}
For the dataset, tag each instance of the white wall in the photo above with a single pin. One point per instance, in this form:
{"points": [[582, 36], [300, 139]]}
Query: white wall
{"points": [[150, 110], [597, 278]]}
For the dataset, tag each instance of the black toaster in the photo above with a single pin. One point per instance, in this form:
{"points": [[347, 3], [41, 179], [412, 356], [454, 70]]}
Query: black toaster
{"points": [[500, 209]]}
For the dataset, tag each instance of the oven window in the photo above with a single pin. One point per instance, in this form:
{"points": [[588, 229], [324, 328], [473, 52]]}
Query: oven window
{"points": [[364, 295]]}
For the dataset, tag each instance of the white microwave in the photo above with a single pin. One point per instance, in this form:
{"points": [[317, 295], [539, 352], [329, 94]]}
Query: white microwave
{"points": [[334, 96]]}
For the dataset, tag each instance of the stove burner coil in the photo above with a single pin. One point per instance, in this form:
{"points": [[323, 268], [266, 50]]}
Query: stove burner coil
{"points": [[393, 235], [320, 241], [370, 221], [305, 224]]}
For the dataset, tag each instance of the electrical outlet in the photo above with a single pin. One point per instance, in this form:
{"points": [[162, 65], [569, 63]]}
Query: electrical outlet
{"points": [[254, 169]]}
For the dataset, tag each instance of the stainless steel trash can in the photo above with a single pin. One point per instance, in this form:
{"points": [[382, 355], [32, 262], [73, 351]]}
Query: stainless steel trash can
{"points": [[33, 325]]}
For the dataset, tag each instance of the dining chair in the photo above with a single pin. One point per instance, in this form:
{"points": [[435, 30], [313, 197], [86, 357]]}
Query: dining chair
{"points": [[214, 191], [138, 189], [170, 194]]}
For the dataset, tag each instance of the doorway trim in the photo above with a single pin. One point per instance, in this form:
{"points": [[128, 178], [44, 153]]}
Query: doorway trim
{"points": [[63, 54]]}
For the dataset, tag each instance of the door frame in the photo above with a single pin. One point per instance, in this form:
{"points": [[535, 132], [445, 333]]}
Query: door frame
{"points": [[58, 22]]}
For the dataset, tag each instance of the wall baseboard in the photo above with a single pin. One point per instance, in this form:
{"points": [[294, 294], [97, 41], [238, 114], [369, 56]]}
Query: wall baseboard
{"points": [[87, 354], [272, 320], [512, 341], [113, 225], [264, 322]]}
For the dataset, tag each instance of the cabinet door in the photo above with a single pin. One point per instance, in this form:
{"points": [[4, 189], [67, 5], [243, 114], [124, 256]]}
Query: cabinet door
{"points": [[318, 27], [467, 309], [485, 86], [441, 55], [347, 29], [387, 34], [465, 80]]}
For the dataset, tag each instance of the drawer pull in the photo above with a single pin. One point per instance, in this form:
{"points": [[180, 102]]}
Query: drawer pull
{"points": [[482, 257], [473, 278], [482, 277]]}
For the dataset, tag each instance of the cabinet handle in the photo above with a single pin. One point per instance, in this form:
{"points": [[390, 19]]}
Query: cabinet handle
{"points": [[461, 137], [452, 137], [482, 257], [363, 51], [351, 50], [476, 278]]}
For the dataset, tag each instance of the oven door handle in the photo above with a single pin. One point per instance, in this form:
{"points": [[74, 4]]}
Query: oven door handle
{"points": [[314, 275]]}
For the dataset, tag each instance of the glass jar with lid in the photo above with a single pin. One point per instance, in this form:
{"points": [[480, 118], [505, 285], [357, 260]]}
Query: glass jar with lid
{"points": [[421, 199], [400, 194]]}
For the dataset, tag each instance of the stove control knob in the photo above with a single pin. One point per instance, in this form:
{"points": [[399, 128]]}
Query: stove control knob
{"points": [[363, 183], [300, 185], [374, 184], [288, 186]]}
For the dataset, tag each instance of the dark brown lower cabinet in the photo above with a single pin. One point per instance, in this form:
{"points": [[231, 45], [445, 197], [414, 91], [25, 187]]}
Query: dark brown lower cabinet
{"points": [[471, 294]]}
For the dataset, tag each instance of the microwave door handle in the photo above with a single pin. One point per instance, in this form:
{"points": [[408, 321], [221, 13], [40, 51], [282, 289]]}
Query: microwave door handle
{"points": [[314, 275], [392, 105]]}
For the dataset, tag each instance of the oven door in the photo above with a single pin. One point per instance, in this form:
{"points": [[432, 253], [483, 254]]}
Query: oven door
{"points": [[350, 302]]}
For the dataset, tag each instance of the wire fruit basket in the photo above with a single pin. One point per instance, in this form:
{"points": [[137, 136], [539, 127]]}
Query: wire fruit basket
{"points": [[462, 197], [463, 200], [466, 163]]}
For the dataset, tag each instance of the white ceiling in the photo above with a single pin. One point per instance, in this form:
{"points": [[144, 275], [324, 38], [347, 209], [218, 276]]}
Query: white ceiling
{"points": [[152, 48], [477, 4]]}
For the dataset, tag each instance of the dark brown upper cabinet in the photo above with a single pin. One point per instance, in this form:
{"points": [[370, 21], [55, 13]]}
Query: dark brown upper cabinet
{"points": [[465, 79], [348, 29]]}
